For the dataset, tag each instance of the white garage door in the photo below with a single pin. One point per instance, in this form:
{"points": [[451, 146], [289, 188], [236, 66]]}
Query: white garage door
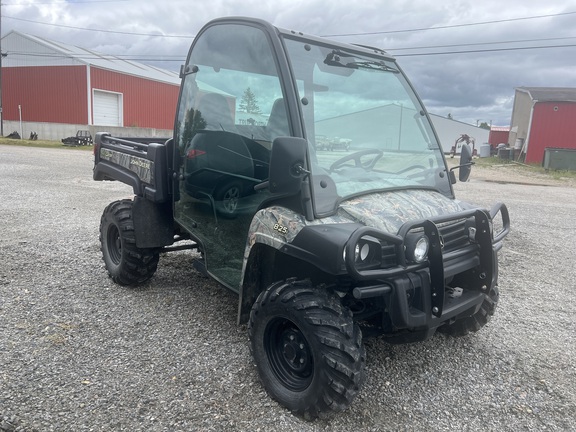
{"points": [[107, 108]]}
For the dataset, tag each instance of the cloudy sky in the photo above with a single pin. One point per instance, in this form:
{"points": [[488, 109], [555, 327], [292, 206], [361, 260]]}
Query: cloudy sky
{"points": [[464, 57]]}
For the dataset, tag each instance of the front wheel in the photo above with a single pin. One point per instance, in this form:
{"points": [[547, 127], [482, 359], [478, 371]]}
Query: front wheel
{"points": [[307, 349], [474, 322], [126, 263]]}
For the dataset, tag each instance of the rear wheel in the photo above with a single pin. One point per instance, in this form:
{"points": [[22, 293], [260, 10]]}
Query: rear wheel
{"points": [[473, 323], [126, 263], [308, 351]]}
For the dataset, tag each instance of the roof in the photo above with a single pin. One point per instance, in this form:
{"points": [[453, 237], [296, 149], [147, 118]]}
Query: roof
{"points": [[550, 94], [451, 120], [28, 50], [500, 129]]}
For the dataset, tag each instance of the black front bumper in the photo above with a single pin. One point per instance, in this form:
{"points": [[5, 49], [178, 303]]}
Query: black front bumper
{"points": [[417, 295]]}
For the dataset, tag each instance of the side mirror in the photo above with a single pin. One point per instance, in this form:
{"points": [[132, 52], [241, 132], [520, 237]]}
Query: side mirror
{"points": [[287, 163], [465, 166], [465, 163]]}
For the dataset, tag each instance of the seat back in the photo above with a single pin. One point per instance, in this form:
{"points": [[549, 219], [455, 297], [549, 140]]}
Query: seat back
{"points": [[278, 120], [216, 112]]}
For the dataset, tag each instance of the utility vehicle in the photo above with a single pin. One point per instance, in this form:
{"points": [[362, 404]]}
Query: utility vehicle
{"points": [[82, 137], [323, 247]]}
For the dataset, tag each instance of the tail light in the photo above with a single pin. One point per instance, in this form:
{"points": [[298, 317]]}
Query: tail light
{"points": [[194, 153]]}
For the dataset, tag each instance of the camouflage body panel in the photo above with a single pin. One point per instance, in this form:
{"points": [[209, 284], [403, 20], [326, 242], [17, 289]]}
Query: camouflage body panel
{"points": [[142, 167], [386, 211]]}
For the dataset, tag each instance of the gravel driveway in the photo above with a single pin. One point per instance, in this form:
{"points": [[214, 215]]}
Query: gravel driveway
{"points": [[78, 353]]}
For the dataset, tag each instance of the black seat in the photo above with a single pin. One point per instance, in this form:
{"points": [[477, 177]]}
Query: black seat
{"points": [[216, 112]]}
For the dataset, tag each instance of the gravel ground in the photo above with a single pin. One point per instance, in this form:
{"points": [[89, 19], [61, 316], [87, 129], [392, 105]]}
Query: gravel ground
{"points": [[78, 353]]}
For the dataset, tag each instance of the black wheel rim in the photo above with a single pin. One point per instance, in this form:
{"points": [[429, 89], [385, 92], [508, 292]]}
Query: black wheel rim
{"points": [[114, 244], [289, 354]]}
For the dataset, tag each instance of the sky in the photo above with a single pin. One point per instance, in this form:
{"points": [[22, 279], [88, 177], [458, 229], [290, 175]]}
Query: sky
{"points": [[465, 58]]}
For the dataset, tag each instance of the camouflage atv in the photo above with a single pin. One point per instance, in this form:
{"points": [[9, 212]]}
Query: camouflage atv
{"points": [[322, 247]]}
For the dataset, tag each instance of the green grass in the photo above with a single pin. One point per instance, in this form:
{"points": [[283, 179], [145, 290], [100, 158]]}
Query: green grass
{"points": [[41, 144], [531, 168], [559, 175]]}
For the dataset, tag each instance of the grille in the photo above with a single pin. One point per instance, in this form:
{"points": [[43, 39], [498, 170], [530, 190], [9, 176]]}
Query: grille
{"points": [[455, 235], [388, 255]]}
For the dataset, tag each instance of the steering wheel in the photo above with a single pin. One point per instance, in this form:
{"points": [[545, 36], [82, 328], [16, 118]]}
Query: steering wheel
{"points": [[356, 158], [413, 167]]}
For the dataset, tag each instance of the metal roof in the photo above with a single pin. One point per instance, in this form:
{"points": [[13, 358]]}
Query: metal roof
{"points": [[550, 94], [28, 50]]}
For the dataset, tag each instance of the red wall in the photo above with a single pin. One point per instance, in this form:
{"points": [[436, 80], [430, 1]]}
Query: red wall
{"points": [[498, 136], [53, 94], [553, 125], [146, 103], [58, 94]]}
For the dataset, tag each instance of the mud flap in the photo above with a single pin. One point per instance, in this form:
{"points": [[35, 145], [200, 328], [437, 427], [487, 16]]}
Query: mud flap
{"points": [[153, 223]]}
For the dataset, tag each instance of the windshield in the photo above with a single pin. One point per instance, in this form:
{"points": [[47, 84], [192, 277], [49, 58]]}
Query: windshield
{"points": [[366, 128]]}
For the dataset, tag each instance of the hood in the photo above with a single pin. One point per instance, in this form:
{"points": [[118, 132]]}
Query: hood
{"points": [[388, 211]]}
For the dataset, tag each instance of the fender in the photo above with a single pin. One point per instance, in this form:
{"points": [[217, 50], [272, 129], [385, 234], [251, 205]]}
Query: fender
{"points": [[320, 243], [290, 233]]}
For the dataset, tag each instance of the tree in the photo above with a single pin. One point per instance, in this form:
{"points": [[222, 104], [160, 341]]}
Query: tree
{"points": [[249, 103], [484, 125], [193, 123]]}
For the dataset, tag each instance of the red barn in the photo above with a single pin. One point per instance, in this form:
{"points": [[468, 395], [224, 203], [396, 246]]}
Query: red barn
{"points": [[543, 117], [498, 135], [50, 82]]}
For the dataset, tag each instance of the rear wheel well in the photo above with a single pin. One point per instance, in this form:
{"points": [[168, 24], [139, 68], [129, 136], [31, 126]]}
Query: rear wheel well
{"points": [[267, 265]]}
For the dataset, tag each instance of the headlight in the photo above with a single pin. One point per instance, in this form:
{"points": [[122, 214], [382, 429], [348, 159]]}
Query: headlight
{"points": [[417, 247], [367, 253], [361, 252]]}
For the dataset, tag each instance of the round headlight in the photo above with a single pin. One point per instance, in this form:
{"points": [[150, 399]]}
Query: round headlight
{"points": [[420, 252], [364, 251], [361, 252]]}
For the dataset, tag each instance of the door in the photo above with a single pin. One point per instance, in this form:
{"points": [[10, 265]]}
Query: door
{"points": [[231, 108], [107, 108]]}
